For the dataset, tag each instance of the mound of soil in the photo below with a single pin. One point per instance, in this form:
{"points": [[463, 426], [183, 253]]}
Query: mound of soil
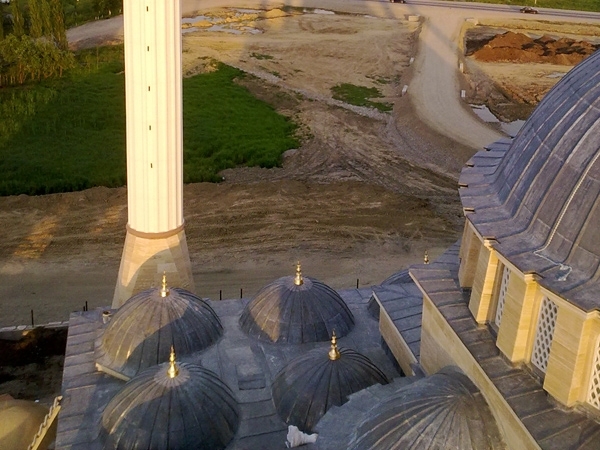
{"points": [[520, 48]]}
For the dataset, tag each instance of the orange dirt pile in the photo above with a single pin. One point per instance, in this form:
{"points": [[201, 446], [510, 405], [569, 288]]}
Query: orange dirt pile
{"points": [[520, 48]]}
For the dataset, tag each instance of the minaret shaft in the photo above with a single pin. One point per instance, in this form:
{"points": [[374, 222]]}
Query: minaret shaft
{"points": [[154, 114], [155, 241]]}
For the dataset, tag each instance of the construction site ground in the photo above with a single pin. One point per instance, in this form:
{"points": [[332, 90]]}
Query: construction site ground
{"points": [[365, 195]]}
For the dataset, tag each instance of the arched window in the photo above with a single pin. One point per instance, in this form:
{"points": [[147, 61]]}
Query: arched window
{"points": [[543, 335], [502, 296], [593, 397]]}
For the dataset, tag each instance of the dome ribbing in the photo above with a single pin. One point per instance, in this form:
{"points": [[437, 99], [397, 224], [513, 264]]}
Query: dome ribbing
{"points": [[440, 412], [312, 383], [142, 331], [537, 199], [155, 410], [296, 310]]}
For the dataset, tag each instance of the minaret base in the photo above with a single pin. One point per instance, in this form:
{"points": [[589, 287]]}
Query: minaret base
{"points": [[146, 256]]}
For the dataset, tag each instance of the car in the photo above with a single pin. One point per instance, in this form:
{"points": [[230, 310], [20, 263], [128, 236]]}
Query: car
{"points": [[397, 1], [528, 10]]}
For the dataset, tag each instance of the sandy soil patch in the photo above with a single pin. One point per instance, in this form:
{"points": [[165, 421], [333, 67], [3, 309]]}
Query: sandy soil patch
{"points": [[307, 51]]}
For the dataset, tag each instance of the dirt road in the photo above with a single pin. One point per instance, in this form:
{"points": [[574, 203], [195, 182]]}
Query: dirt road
{"points": [[435, 89], [363, 197]]}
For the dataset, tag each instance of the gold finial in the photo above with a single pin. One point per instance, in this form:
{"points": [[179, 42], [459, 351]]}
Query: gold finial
{"points": [[164, 290], [298, 280], [426, 257], [334, 353], [173, 370]]}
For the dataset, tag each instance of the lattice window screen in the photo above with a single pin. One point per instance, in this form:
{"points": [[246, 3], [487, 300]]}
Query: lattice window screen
{"points": [[502, 296], [544, 333], [594, 391]]}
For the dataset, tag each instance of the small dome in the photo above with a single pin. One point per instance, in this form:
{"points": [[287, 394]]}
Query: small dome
{"points": [[295, 310], [21, 420], [143, 330], [309, 385], [171, 406], [401, 277], [439, 412]]}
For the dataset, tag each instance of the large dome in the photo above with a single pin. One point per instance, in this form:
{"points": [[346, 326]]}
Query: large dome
{"points": [[312, 383], [440, 412], [539, 197], [295, 310], [171, 406], [142, 331]]}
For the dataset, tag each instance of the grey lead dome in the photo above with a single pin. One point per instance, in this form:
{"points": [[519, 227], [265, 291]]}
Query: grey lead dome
{"points": [[142, 331], [309, 385], [538, 199], [287, 312], [155, 411], [440, 412]]}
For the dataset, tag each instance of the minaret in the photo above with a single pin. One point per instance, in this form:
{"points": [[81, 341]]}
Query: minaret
{"points": [[155, 241]]}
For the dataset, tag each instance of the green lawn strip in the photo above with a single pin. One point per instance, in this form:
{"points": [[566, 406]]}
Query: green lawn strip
{"points": [[359, 96], [72, 139], [69, 134], [225, 126]]}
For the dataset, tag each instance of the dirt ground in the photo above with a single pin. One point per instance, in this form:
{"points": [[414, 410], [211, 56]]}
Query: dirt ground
{"points": [[364, 196], [358, 200]]}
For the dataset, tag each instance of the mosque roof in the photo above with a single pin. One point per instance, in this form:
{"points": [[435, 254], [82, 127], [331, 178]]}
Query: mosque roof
{"points": [[315, 381], [295, 310], [442, 411], [538, 198], [141, 333], [246, 365], [171, 406]]}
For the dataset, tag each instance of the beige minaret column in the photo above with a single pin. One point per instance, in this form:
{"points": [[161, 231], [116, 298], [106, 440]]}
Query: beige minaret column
{"points": [[155, 241]]}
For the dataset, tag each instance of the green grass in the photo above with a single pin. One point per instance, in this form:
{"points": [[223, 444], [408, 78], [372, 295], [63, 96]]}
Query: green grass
{"points": [[359, 96], [225, 126], [576, 5], [69, 134]]}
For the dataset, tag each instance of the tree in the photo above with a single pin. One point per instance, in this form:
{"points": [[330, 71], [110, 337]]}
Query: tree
{"points": [[59, 32], [36, 20], [23, 58], [17, 18], [46, 18], [108, 7]]}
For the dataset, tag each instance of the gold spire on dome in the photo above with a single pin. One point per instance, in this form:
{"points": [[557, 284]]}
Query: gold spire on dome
{"points": [[298, 280], [426, 257], [334, 353], [164, 291], [173, 369]]}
